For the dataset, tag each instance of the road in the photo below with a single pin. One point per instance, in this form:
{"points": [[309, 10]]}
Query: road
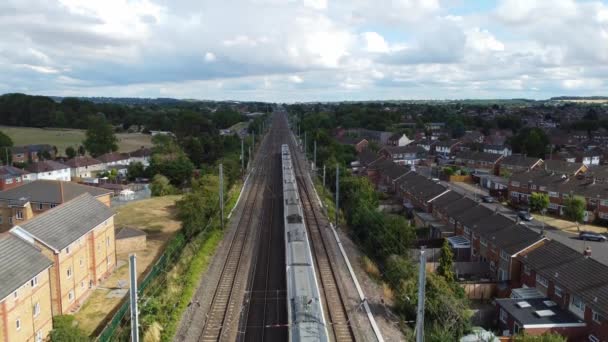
{"points": [[599, 249]]}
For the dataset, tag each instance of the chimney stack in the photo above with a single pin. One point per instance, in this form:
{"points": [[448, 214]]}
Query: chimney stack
{"points": [[587, 252]]}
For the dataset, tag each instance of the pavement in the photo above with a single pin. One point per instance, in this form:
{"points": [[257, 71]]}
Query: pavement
{"points": [[599, 249]]}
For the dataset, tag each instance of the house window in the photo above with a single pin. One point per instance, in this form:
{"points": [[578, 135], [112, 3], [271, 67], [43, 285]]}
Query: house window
{"points": [[1, 219], [82, 285], [19, 215], [467, 231], [53, 205], [81, 262], [526, 269], [483, 242], [516, 328], [558, 291], [108, 241], [542, 188], [553, 194], [503, 316], [604, 203], [597, 318], [8, 181], [18, 180], [542, 280], [67, 250], [10, 220], [36, 309], [69, 272], [492, 265], [514, 183], [592, 338], [533, 187], [15, 295], [39, 206], [71, 295], [18, 324], [577, 306], [34, 281], [504, 255], [502, 275]]}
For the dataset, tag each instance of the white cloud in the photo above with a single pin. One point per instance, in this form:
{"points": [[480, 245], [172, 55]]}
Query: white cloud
{"points": [[295, 79], [210, 57], [316, 4], [374, 42]]}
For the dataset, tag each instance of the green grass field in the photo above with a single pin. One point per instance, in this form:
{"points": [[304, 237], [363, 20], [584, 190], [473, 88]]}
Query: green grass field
{"points": [[63, 138]]}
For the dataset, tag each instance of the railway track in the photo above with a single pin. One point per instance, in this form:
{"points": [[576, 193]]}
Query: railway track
{"points": [[225, 308], [337, 314]]}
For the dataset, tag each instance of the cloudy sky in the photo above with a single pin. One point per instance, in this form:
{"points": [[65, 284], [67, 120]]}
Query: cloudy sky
{"points": [[304, 50]]}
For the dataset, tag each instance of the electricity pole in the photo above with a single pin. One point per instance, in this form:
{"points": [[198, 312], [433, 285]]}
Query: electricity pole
{"points": [[323, 176], [249, 159], [305, 145], [242, 156], [337, 192], [314, 160], [421, 285], [222, 195], [133, 298]]}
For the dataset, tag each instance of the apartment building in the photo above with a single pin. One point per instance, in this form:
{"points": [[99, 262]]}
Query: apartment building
{"points": [[25, 291], [22, 203], [78, 236]]}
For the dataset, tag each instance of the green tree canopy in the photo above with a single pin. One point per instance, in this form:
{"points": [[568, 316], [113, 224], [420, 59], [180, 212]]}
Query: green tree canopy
{"points": [[539, 201], [70, 152], [531, 141], [65, 330], [5, 144], [574, 208], [446, 263], [161, 186], [100, 137]]}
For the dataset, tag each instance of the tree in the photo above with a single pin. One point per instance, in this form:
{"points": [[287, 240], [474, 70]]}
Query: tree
{"points": [[176, 167], [446, 262], [531, 141], [65, 330], [70, 152], [81, 150], [136, 170], [161, 186], [539, 201], [5, 144], [574, 208], [100, 137]]}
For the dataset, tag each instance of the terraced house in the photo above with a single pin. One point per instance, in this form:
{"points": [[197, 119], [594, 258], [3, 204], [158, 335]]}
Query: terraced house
{"points": [[25, 291], [78, 236]]}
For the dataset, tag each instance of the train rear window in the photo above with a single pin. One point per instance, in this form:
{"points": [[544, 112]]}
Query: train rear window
{"points": [[294, 218]]}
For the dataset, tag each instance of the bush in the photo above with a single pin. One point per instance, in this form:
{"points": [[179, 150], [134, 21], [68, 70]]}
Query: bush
{"points": [[65, 330], [161, 186]]}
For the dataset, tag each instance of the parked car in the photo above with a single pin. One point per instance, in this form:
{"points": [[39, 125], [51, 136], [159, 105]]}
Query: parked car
{"points": [[592, 236], [524, 215], [488, 199]]}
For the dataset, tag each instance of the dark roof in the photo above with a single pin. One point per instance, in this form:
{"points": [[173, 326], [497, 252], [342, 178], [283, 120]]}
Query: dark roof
{"points": [[7, 171], [20, 261], [471, 216], [515, 238], [519, 161], [411, 148], [395, 171], [448, 143], [31, 148], [563, 167], [50, 191], [127, 232], [112, 157], [459, 206], [578, 185], [396, 136], [420, 186], [45, 166], [141, 152], [380, 164], [61, 226], [527, 316], [496, 147], [367, 156], [478, 156], [347, 140], [82, 161], [584, 277], [446, 199]]}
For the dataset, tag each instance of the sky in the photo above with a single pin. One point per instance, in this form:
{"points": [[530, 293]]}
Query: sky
{"points": [[305, 50]]}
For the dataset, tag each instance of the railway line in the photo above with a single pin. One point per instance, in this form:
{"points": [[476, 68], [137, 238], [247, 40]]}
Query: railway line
{"points": [[337, 316]]}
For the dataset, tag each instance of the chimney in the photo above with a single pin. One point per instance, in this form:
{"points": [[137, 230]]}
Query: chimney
{"points": [[587, 252]]}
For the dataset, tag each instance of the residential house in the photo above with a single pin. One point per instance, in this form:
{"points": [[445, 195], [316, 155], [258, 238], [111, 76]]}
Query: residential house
{"points": [[364, 158], [418, 191], [379, 137], [559, 188], [25, 291], [472, 137], [404, 155], [31, 199], [115, 160], [571, 295], [389, 177], [10, 177], [358, 144], [503, 150], [478, 161], [78, 236], [435, 126], [518, 163], [399, 139], [141, 155], [84, 167], [564, 168], [31, 153], [375, 170], [47, 169], [447, 147], [427, 144]]}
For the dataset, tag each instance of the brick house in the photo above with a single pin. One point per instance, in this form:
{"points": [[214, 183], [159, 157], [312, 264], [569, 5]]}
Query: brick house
{"points": [[398, 139], [358, 144], [25, 292], [419, 191], [503, 150], [10, 177], [575, 288], [78, 236], [404, 155], [31, 153], [390, 176], [375, 169], [518, 163], [564, 168], [447, 147], [364, 159], [482, 161], [31, 199]]}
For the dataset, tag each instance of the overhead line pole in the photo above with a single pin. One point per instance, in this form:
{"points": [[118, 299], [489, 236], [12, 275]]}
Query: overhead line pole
{"points": [[337, 192], [421, 286], [222, 196], [133, 298]]}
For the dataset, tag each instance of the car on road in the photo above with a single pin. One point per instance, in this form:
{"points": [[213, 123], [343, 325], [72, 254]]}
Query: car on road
{"points": [[488, 199], [524, 215], [592, 236]]}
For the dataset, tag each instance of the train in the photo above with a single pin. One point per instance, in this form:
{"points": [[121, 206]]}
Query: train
{"points": [[304, 307]]}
